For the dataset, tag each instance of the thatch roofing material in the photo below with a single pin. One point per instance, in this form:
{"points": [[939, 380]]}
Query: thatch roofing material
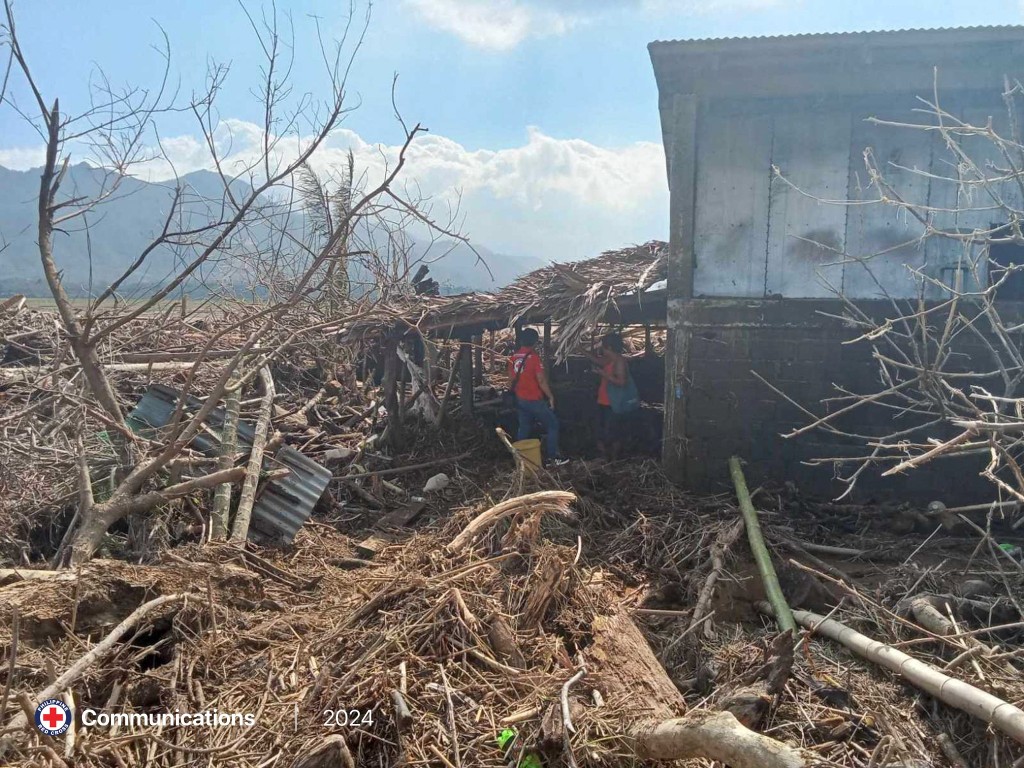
{"points": [[574, 296]]}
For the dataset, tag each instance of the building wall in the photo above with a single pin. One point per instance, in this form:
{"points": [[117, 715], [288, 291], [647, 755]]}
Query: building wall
{"points": [[758, 256], [735, 345], [759, 233]]}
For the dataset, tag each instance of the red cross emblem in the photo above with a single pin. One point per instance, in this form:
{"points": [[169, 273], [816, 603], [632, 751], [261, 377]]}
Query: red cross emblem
{"points": [[53, 717]]}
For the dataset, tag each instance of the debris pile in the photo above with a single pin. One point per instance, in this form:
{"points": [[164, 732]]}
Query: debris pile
{"points": [[441, 607]]}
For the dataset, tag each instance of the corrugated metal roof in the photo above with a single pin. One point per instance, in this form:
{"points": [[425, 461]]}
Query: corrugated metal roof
{"points": [[157, 406], [285, 504], [810, 36]]}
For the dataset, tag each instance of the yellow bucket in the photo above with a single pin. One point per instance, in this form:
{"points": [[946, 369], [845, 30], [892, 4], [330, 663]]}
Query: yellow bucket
{"points": [[529, 450]]}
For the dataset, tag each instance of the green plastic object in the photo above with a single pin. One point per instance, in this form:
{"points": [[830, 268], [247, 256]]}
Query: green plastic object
{"points": [[506, 739]]}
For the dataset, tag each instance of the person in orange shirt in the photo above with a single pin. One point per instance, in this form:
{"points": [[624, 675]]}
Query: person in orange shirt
{"points": [[610, 364], [528, 381]]}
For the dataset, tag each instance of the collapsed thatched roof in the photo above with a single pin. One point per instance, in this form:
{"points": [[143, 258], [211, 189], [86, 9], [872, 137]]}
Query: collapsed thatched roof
{"points": [[574, 296]]}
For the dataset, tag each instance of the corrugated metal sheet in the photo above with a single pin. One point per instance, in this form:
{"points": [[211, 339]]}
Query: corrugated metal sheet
{"points": [[285, 504], [157, 406], [834, 36]]}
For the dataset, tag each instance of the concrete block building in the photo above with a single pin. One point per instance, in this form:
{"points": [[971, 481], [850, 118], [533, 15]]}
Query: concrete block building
{"points": [[758, 255]]}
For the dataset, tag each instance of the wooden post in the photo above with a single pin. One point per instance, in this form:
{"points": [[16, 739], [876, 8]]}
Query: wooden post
{"points": [[682, 154], [430, 362], [392, 400], [493, 353], [547, 346], [466, 377], [478, 359], [448, 388], [647, 338]]}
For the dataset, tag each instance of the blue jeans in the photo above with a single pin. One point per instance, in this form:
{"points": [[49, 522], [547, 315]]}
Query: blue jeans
{"points": [[538, 410]]}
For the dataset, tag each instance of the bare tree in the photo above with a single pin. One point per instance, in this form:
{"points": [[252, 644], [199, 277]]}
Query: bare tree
{"points": [[298, 274], [949, 356]]}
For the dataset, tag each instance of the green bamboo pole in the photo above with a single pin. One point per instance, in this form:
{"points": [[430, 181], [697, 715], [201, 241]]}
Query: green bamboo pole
{"points": [[783, 615]]}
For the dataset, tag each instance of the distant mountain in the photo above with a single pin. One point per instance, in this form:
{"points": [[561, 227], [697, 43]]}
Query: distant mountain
{"points": [[120, 228]]}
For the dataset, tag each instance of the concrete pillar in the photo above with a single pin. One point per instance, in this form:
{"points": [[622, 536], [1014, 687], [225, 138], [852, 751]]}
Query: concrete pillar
{"points": [[682, 220]]}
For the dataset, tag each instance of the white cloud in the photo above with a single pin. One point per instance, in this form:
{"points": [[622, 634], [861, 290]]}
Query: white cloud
{"points": [[551, 198], [493, 24], [703, 7], [22, 158], [504, 24]]}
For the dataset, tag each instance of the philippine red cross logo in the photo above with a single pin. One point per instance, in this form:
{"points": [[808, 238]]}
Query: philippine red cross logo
{"points": [[53, 717]]}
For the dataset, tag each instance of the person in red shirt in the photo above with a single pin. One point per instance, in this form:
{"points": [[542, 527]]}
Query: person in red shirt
{"points": [[529, 383], [610, 364]]}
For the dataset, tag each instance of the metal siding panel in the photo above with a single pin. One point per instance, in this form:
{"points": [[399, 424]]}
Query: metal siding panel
{"points": [[883, 242], [981, 205], [731, 231], [943, 200], [812, 150]]}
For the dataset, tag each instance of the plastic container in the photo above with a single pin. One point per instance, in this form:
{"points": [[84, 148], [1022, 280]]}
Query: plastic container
{"points": [[529, 450]]}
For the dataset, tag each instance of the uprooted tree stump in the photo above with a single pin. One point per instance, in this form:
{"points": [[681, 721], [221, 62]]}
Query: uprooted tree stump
{"points": [[717, 736], [541, 502], [627, 671]]}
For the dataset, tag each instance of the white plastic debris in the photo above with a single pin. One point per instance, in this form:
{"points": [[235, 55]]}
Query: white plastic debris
{"points": [[437, 483], [338, 454]]}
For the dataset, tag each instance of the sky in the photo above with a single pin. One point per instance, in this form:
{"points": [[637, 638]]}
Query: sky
{"points": [[542, 114]]}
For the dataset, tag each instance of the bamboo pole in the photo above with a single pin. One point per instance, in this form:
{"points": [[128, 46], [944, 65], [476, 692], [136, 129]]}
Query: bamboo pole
{"points": [[783, 614], [455, 365], [247, 497], [226, 460], [1001, 714]]}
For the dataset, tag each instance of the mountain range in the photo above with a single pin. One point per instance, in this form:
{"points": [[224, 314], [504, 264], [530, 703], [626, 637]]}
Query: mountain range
{"points": [[122, 226]]}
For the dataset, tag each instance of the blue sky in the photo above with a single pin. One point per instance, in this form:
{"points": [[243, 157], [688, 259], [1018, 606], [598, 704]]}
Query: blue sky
{"points": [[543, 113]]}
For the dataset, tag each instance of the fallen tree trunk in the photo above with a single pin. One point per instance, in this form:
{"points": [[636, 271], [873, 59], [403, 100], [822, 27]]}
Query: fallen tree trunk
{"points": [[626, 670], [27, 373], [27, 574], [226, 460], [94, 527], [247, 496], [1001, 714], [628, 673]]}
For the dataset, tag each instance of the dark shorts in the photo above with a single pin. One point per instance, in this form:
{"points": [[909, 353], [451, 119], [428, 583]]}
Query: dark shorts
{"points": [[611, 425]]}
